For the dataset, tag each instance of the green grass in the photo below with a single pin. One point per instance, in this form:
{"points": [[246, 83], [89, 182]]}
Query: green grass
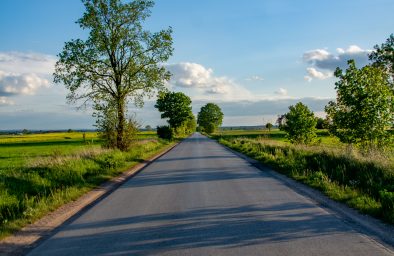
{"points": [[280, 136], [362, 181], [40, 172]]}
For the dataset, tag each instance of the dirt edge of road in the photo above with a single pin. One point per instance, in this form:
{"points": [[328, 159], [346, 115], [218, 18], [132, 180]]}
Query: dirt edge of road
{"points": [[30, 236], [381, 233]]}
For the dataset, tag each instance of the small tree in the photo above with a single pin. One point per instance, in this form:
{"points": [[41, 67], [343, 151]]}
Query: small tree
{"points": [[175, 106], [364, 109], [268, 126], [300, 124], [210, 117]]}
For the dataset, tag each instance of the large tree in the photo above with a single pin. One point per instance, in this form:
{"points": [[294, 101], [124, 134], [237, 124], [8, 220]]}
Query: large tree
{"points": [[299, 124], [364, 108], [119, 62], [176, 106], [210, 117]]}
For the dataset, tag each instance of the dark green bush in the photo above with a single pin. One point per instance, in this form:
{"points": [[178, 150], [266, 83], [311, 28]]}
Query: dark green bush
{"points": [[165, 132]]}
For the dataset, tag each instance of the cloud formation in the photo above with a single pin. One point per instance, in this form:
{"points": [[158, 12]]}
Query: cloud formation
{"points": [[24, 73], [204, 83], [17, 84], [321, 59], [281, 92]]}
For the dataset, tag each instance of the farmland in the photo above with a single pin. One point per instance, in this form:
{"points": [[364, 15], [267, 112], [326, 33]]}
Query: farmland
{"points": [[361, 179], [40, 172]]}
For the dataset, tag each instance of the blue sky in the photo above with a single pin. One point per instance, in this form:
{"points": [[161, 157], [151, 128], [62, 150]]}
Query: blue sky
{"points": [[254, 58]]}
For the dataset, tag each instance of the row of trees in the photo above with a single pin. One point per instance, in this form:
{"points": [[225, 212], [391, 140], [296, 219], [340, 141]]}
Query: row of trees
{"points": [[363, 112], [176, 108]]}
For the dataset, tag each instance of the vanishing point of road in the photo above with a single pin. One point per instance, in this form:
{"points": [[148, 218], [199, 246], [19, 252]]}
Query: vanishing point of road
{"points": [[202, 199]]}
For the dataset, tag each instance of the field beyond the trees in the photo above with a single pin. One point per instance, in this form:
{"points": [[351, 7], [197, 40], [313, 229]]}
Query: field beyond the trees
{"points": [[364, 180], [40, 172]]}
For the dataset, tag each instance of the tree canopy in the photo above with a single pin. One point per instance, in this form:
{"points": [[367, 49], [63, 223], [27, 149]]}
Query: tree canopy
{"points": [[299, 124], [364, 107], [118, 62], [383, 56], [210, 117], [176, 106]]}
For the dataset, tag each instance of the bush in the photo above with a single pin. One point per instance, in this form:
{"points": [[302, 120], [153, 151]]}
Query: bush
{"points": [[165, 132], [387, 200]]}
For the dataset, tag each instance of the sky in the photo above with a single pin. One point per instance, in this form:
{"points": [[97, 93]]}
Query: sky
{"points": [[254, 58]]}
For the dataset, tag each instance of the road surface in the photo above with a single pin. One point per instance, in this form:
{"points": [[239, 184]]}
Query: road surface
{"points": [[201, 199]]}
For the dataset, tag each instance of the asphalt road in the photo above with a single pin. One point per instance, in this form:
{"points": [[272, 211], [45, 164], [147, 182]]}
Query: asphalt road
{"points": [[201, 199]]}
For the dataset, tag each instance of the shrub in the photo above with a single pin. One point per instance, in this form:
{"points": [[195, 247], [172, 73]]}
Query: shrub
{"points": [[387, 200], [165, 132]]}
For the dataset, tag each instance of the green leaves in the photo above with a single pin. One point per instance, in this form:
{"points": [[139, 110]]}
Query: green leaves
{"points": [[300, 124], [210, 117], [364, 109], [175, 106]]}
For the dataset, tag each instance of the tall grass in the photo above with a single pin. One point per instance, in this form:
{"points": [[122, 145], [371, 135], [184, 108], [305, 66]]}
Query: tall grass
{"points": [[31, 188], [364, 182]]}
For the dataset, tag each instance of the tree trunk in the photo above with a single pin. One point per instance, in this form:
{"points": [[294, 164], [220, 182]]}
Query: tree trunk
{"points": [[120, 139]]}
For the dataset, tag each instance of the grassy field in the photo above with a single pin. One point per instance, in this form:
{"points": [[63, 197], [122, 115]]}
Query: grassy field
{"points": [[40, 172], [363, 180]]}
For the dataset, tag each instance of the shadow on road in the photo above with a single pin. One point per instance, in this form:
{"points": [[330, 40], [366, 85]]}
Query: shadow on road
{"points": [[208, 227]]}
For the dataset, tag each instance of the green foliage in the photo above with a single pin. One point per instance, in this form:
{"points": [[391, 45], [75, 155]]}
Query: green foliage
{"points": [[268, 126], [165, 132], [107, 124], [210, 117], [300, 124], [362, 183], [387, 199], [383, 56], [118, 62], [209, 128], [175, 106], [364, 109]]}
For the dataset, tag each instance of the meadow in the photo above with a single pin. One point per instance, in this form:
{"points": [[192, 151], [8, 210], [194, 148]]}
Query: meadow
{"points": [[40, 172], [363, 180]]}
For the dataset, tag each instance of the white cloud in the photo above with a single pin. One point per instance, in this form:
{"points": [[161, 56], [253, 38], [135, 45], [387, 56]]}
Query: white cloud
{"points": [[5, 101], [324, 60], [204, 84], [255, 78], [316, 55], [314, 73], [308, 78], [15, 84], [24, 73], [281, 92], [21, 62]]}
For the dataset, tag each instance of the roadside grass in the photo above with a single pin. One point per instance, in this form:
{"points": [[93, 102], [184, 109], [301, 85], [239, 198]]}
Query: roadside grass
{"points": [[39, 173], [364, 181]]}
